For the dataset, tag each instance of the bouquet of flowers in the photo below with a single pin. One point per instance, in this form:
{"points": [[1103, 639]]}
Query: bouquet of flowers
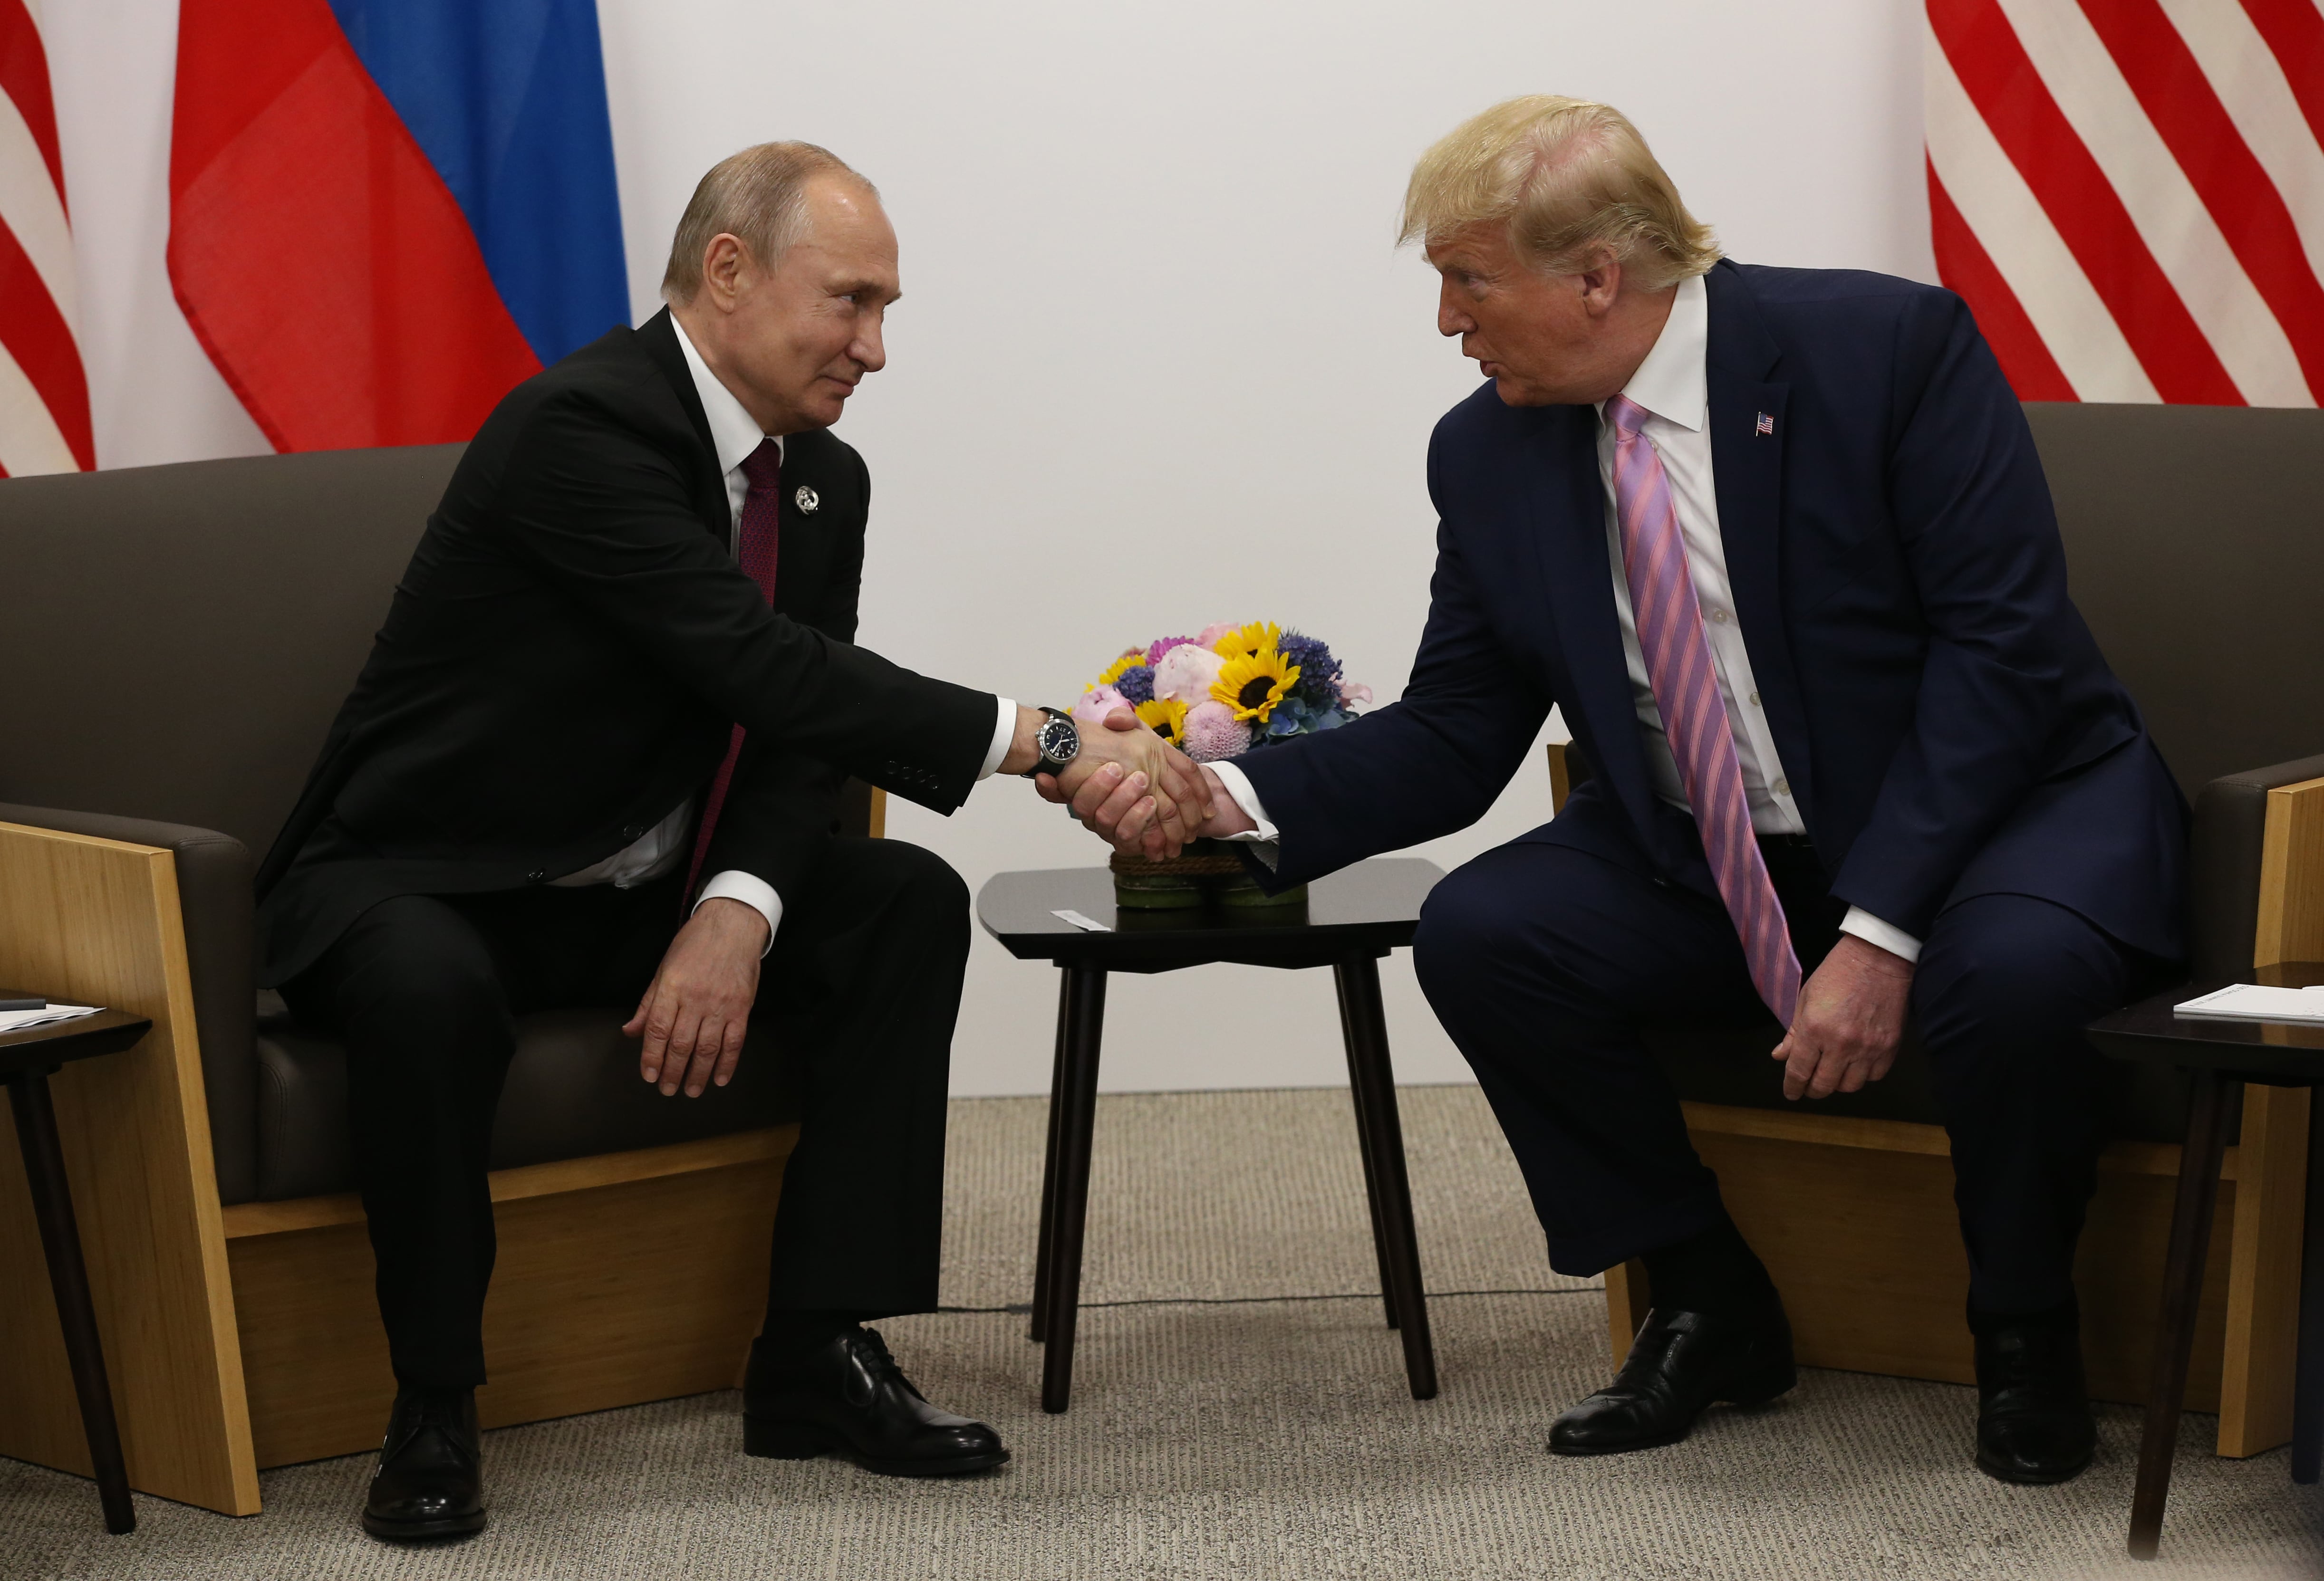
{"points": [[1227, 691]]}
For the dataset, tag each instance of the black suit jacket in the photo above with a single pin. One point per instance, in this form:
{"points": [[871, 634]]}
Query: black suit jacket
{"points": [[565, 654]]}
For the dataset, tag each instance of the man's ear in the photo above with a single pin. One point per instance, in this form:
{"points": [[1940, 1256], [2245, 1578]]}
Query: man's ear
{"points": [[1602, 286], [724, 264]]}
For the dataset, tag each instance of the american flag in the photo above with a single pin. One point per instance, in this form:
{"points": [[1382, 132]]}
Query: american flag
{"points": [[2130, 193], [43, 395]]}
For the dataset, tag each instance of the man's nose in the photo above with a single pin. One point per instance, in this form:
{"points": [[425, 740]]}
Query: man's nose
{"points": [[1450, 319], [871, 347]]}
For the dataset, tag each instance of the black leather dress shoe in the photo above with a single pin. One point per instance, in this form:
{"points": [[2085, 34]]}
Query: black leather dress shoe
{"points": [[849, 1395], [431, 1481], [1681, 1362], [2034, 1421]]}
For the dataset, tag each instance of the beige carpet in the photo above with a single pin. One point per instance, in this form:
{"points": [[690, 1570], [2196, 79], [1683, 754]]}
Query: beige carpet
{"points": [[1241, 1412]]}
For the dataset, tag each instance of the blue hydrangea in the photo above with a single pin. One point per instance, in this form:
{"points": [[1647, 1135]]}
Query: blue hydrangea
{"points": [[1136, 684]]}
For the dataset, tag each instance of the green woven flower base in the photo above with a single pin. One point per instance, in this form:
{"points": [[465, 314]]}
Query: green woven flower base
{"points": [[1208, 874]]}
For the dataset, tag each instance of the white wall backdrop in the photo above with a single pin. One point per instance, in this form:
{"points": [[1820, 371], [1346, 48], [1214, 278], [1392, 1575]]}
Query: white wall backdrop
{"points": [[1158, 363]]}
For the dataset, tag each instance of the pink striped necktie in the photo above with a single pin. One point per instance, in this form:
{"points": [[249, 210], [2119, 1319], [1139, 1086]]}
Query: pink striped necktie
{"points": [[754, 551], [1695, 715]]}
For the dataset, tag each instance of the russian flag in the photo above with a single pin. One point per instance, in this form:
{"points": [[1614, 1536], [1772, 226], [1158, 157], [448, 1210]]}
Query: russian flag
{"points": [[385, 213]]}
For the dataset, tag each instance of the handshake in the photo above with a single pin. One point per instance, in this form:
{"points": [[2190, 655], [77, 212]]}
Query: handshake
{"points": [[1130, 788]]}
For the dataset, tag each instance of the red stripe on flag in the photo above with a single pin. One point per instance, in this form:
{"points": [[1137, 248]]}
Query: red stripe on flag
{"points": [[315, 249], [1964, 266], [2295, 31], [24, 79], [2016, 105], [2185, 110], [37, 336]]}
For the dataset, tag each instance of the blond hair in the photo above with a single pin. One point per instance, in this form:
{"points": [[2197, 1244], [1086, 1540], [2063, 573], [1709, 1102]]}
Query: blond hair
{"points": [[759, 196], [1572, 179]]}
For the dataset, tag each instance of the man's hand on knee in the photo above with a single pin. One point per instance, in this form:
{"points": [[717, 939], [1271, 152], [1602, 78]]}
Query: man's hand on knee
{"points": [[1850, 1020], [694, 1014]]}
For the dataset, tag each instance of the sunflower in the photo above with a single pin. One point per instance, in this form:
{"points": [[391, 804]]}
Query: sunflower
{"points": [[1252, 684], [1166, 717], [1250, 642], [1130, 660]]}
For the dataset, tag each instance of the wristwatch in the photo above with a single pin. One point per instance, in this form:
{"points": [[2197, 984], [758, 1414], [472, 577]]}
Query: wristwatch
{"points": [[1059, 742]]}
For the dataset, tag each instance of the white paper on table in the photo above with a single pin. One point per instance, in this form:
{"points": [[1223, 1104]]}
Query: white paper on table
{"points": [[2251, 1002], [24, 1020]]}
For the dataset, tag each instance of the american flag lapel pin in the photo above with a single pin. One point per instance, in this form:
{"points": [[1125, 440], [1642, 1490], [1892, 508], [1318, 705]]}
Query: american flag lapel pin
{"points": [[1765, 425]]}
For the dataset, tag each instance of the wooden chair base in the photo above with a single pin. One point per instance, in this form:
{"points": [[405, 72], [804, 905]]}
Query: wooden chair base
{"points": [[1855, 1219], [621, 1279]]}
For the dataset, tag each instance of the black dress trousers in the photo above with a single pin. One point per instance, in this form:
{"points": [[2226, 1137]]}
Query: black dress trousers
{"points": [[860, 994]]}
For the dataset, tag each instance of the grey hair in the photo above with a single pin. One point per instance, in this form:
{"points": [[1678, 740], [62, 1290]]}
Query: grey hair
{"points": [[759, 196]]}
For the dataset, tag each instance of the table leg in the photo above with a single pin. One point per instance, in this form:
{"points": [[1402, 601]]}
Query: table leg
{"points": [[1374, 1080], [1371, 1175], [2307, 1393], [1076, 1111], [1043, 1247], [2211, 1095], [44, 1169]]}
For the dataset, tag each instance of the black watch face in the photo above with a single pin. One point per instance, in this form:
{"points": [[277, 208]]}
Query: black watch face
{"points": [[1059, 741]]}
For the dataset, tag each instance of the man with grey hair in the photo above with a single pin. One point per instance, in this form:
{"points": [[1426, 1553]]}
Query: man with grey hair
{"points": [[595, 758], [1778, 543]]}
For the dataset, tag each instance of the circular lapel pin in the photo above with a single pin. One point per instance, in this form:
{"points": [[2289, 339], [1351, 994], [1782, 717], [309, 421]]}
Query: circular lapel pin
{"points": [[808, 499]]}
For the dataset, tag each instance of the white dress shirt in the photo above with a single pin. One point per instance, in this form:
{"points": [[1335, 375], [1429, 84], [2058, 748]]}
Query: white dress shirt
{"points": [[734, 435], [1672, 384]]}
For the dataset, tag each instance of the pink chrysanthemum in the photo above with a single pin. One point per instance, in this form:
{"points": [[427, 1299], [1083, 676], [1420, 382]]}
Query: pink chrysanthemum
{"points": [[1213, 733], [1154, 654]]}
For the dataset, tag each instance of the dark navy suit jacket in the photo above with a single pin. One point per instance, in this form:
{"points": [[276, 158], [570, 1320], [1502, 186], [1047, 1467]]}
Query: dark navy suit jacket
{"points": [[1946, 721]]}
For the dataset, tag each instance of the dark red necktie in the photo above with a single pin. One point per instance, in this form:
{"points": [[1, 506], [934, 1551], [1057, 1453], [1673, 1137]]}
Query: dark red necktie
{"points": [[754, 551]]}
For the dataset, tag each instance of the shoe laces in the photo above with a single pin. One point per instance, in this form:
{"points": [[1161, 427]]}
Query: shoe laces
{"points": [[880, 1363], [877, 1358]]}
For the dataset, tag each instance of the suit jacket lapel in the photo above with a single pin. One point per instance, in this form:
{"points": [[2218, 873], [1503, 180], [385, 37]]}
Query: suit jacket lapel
{"points": [[658, 336], [1748, 431], [1569, 530], [803, 546]]}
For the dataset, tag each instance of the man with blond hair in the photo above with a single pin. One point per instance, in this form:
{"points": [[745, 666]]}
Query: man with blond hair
{"points": [[596, 759], [1778, 543]]}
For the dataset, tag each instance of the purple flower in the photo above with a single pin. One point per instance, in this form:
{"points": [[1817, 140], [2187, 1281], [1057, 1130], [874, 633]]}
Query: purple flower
{"points": [[1319, 672], [1154, 654], [1135, 684]]}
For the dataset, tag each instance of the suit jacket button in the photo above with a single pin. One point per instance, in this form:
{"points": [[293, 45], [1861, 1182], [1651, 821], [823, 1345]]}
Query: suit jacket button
{"points": [[632, 830], [536, 875]]}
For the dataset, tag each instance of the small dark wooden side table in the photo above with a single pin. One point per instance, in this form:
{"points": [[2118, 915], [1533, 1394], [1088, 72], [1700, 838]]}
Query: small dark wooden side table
{"points": [[27, 1059], [1351, 920], [2218, 1057]]}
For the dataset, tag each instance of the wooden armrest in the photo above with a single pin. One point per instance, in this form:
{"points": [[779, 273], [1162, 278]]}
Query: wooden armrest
{"points": [[2292, 876]]}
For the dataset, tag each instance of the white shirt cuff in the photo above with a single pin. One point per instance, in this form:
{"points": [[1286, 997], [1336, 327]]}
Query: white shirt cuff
{"points": [[1265, 836], [755, 893], [1004, 731], [1884, 935]]}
